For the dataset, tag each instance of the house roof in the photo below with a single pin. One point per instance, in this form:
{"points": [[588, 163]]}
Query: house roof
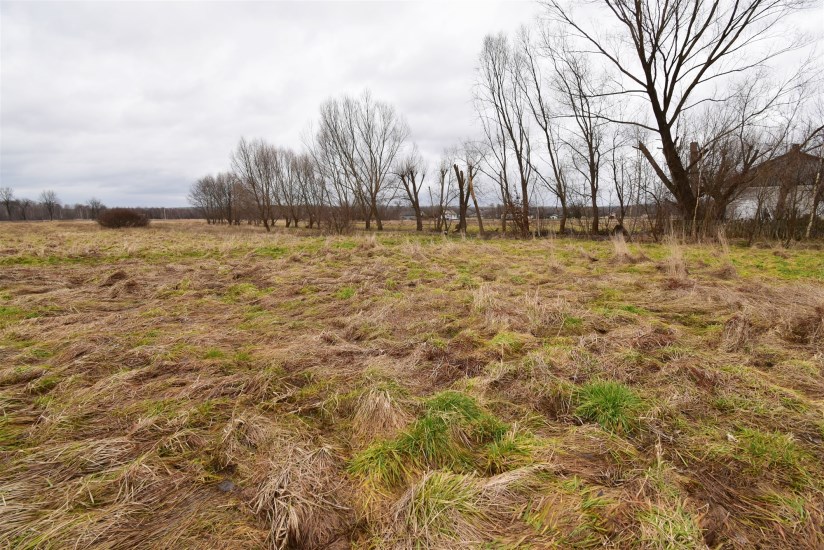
{"points": [[795, 165]]}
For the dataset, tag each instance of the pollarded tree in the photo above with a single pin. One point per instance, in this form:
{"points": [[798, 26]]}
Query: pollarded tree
{"points": [[25, 206], [411, 173], [290, 196], [444, 196], [465, 164]]}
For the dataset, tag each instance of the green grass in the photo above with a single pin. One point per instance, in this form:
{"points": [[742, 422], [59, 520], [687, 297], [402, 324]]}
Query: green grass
{"points": [[241, 291], [44, 384], [213, 353], [272, 252], [454, 433], [345, 293], [612, 405], [507, 343], [670, 528], [447, 377], [437, 502], [508, 452], [382, 463], [763, 450]]}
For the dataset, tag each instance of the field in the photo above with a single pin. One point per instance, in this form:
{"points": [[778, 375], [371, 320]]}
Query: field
{"points": [[189, 386]]}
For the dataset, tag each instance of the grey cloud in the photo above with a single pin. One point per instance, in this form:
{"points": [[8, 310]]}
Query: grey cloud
{"points": [[130, 102]]}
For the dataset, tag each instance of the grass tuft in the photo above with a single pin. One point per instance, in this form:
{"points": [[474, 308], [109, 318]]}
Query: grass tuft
{"points": [[612, 405]]}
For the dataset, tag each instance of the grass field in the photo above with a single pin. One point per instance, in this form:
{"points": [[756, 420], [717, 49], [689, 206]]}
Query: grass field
{"points": [[187, 386]]}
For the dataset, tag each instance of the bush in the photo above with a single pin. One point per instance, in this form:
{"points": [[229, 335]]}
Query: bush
{"points": [[122, 217]]}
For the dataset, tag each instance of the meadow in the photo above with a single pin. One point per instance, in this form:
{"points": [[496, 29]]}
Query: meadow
{"points": [[194, 386]]}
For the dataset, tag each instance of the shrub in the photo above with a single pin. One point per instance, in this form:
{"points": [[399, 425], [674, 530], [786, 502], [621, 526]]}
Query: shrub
{"points": [[122, 217]]}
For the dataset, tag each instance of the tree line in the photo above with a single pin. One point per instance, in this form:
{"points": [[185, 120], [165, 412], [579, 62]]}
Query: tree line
{"points": [[48, 206], [671, 118]]}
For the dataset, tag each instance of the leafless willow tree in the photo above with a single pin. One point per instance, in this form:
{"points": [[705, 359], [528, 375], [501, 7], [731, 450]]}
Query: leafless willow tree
{"points": [[335, 188], [50, 202], [472, 156], [465, 165], [503, 111], [95, 207], [411, 173], [25, 206], [581, 93], [289, 196], [671, 55], [254, 165], [360, 139], [444, 195], [534, 81], [312, 188], [214, 196], [7, 198], [816, 147]]}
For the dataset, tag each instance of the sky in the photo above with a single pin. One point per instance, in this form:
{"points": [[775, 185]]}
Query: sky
{"points": [[130, 102]]}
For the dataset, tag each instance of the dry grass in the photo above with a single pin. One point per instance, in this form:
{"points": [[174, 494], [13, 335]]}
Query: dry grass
{"points": [[188, 386]]}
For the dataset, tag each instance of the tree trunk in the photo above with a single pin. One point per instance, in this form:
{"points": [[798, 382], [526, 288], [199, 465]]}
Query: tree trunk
{"points": [[477, 210], [378, 221], [595, 215], [816, 197], [418, 217], [525, 208]]}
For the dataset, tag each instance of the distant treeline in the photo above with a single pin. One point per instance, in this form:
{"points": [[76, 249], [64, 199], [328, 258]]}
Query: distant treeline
{"points": [[49, 207]]}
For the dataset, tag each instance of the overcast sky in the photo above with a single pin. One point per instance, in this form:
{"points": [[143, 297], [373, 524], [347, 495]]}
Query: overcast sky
{"points": [[130, 102]]}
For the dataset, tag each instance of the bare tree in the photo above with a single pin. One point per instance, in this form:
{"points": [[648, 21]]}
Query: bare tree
{"points": [[362, 138], [312, 188], [582, 96], [534, 84], [95, 207], [254, 165], [215, 197], [336, 189], [411, 173], [50, 202], [503, 110], [625, 169], [472, 160], [670, 54], [289, 194], [445, 195], [817, 193], [25, 205], [466, 166], [7, 198]]}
